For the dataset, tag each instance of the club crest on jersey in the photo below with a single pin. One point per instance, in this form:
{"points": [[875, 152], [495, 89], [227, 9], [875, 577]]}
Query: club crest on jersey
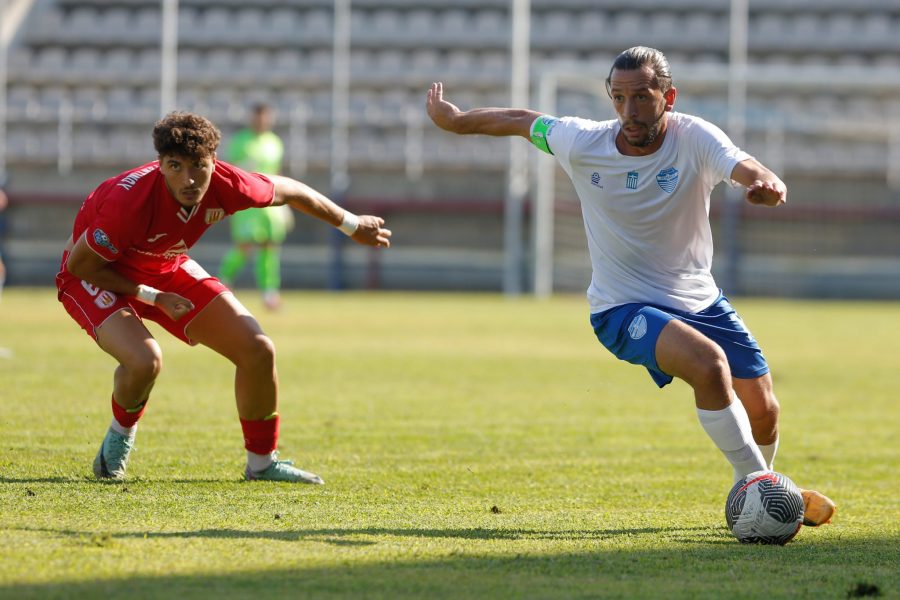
{"points": [[631, 180], [101, 239], [667, 179], [105, 299], [214, 215]]}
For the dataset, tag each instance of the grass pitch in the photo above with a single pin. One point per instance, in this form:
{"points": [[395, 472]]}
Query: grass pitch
{"points": [[472, 447]]}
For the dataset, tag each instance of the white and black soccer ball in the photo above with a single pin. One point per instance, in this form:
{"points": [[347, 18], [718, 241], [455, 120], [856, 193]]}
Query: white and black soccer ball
{"points": [[764, 507]]}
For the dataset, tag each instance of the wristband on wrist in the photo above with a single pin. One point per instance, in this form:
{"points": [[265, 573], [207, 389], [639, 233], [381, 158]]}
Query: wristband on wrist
{"points": [[146, 294], [350, 223]]}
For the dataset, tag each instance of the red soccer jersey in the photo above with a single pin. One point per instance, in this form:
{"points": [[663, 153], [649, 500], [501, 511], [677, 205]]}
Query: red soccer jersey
{"points": [[133, 219]]}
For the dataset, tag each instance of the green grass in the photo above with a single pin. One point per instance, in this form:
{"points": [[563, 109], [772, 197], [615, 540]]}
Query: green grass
{"points": [[423, 413]]}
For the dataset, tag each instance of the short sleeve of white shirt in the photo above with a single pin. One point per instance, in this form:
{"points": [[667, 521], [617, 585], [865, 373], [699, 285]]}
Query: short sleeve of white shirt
{"points": [[719, 153], [567, 134]]}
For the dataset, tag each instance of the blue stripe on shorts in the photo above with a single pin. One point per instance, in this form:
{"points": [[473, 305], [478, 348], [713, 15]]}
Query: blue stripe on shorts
{"points": [[630, 332]]}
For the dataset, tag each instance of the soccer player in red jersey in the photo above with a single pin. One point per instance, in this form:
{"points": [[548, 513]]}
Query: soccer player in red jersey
{"points": [[127, 261]]}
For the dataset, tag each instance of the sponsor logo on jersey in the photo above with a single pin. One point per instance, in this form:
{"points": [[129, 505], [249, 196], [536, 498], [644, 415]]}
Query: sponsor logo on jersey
{"points": [[595, 180], [214, 215], [101, 239], [129, 180], [172, 252], [631, 180], [105, 299], [152, 239], [638, 327], [176, 250], [667, 179]]}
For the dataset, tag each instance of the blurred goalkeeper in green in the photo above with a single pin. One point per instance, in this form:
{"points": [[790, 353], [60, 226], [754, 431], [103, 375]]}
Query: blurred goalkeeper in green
{"points": [[258, 231]]}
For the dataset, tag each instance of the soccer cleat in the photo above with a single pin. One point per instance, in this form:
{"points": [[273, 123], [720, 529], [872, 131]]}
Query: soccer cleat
{"points": [[112, 458], [817, 508], [272, 300], [283, 470]]}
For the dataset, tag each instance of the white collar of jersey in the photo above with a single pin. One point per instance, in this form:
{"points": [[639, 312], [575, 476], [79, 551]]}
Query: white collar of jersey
{"points": [[185, 214]]}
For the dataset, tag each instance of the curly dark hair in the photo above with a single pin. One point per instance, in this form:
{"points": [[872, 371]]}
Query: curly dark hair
{"points": [[185, 134]]}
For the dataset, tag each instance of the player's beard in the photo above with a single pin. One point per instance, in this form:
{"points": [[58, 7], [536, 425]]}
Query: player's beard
{"points": [[652, 131]]}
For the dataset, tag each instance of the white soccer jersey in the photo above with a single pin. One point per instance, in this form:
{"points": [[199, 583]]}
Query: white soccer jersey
{"points": [[646, 217]]}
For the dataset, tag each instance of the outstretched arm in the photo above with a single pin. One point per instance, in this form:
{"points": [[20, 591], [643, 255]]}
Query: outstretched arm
{"points": [[763, 186], [363, 229], [487, 121]]}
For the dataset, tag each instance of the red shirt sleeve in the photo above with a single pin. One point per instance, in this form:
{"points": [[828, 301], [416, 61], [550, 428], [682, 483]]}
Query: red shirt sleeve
{"points": [[115, 220], [237, 189]]}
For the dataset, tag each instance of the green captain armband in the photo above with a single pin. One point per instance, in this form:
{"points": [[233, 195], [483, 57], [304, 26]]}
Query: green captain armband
{"points": [[539, 131]]}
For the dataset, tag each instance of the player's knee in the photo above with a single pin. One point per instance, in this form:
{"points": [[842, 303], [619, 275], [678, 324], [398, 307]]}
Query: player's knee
{"points": [[770, 413], [712, 367], [144, 367], [260, 353]]}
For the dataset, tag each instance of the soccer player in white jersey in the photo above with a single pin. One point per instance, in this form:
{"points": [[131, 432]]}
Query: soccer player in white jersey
{"points": [[644, 182]]}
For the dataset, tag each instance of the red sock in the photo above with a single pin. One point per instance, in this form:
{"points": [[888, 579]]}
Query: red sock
{"points": [[261, 437], [127, 418]]}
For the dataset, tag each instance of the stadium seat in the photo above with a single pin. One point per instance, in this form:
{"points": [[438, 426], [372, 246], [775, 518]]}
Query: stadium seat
{"points": [[250, 23], [148, 63], [282, 21], [489, 22], [287, 61], [879, 27], [215, 25], [316, 23], [84, 63], [22, 101], [425, 62], [253, 63], [50, 64], [116, 20], [590, 24], [89, 103], [117, 62], [82, 23], [420, 23], [149, 19], [120, 102], [454, 22]]}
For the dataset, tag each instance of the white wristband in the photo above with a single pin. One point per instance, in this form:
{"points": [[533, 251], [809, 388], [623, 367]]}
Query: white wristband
{"points": [[350, 223], [146, 294]]}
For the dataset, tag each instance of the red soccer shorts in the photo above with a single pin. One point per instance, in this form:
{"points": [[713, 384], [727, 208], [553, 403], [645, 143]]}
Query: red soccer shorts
{"points": [[90, 306]]}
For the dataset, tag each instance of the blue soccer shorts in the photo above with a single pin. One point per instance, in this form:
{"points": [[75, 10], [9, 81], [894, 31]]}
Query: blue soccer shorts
{"points": [[630, 332]]}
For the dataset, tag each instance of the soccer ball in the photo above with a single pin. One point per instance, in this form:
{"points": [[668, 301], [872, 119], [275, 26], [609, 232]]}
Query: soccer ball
{"points": [[764, 507]]}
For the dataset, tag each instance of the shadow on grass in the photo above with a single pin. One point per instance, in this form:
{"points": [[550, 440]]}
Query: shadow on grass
{"points": [[129, 481], [817, 569], [41, 479]]}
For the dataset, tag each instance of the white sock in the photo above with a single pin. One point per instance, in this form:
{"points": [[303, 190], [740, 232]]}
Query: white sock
{"points": [[128, 432], [730, 431], [259, 462], [768, 452]]}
